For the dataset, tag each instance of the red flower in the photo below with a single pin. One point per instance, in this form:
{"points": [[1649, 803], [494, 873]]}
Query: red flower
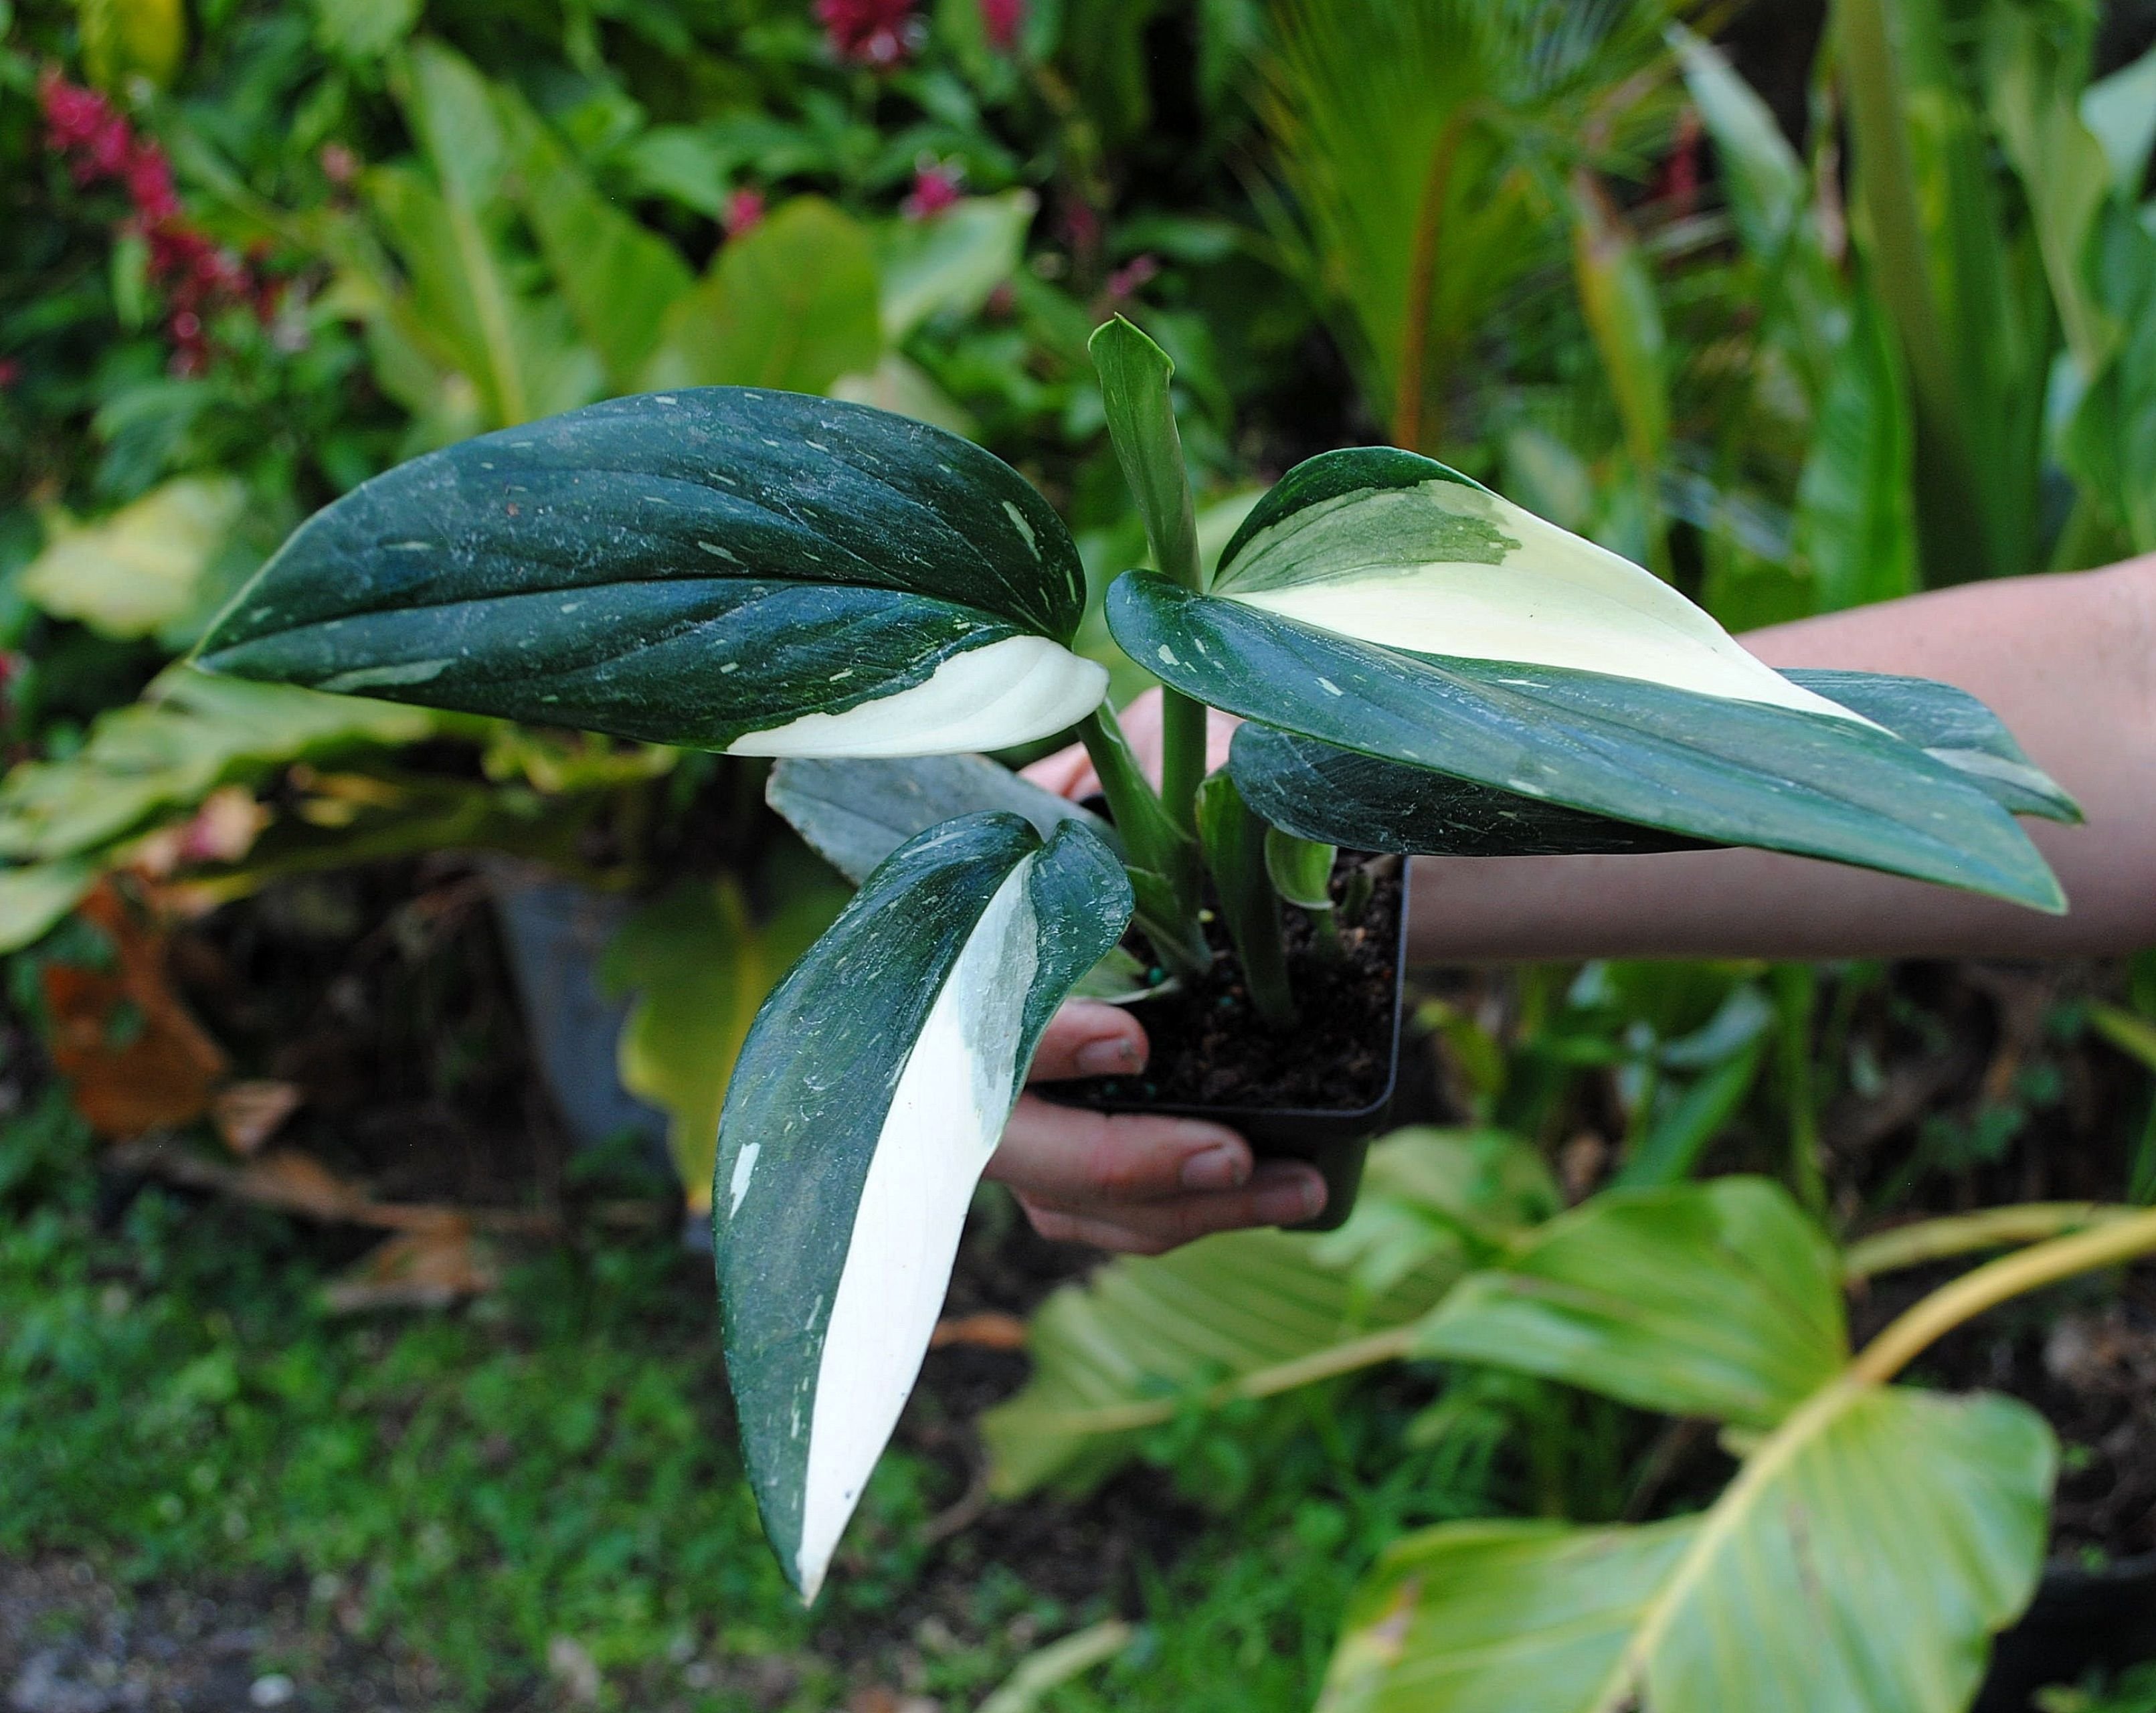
{"points": [[870, 31], [11, 372], [744, 211], [1128, 280], [1003, 19], [934, 188]]}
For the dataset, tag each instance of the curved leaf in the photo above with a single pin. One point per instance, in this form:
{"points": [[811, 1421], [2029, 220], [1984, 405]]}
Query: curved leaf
{"points": [[866, 1099], [758, 572], [1257, 1311], [1319, 791], [1718, 1300], [1723, 768], [1860, 1562], [854, 813]]}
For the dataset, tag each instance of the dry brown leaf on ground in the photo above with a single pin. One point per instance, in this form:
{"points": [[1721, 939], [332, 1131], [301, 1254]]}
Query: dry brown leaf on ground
{"points": [[247, 1114], [133, 1058], [416, 1269]]}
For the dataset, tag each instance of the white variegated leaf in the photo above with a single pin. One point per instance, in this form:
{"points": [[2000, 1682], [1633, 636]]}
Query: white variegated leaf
{"points": [[867, 1100]]}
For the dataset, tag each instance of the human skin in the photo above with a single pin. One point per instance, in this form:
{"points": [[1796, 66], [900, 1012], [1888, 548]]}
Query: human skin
{"points": [[2068, 661]]}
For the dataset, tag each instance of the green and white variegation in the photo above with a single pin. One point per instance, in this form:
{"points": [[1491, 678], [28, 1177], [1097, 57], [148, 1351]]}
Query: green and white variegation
{"points": [[867, 1100], [1380, 604], [721, 567]]}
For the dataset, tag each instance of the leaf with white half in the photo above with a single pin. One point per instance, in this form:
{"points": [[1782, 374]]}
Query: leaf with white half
{"points": [[1860, 1561], [1320, 790], [724, 568], [869, 1096], [854, 813], [1381, 602], [1718, 1300]]}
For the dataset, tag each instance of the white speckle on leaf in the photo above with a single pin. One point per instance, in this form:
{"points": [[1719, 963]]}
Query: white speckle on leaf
{"points": [[1166, 655], [738, 1185], [1330, 687], [411, 547], [365, 677], [837, 676], [730, 666], [717, 552], [663, 397], [1025, 529], [570, 606]]}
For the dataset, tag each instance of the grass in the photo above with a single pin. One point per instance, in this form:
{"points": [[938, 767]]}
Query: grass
{"points": [[557, 1461]]}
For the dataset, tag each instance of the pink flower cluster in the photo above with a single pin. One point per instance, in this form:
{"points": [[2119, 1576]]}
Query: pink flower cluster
{"points": [[199, 275], [881, 32]]}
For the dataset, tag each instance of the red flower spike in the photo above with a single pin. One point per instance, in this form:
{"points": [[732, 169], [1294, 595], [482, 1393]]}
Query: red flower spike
{"points": [[934, 188], [1003, 19], [744, 213], [868, 32]]}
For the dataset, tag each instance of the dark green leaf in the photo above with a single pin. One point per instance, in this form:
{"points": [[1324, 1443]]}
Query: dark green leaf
{"points": [[725, 569], [1722, 770]]}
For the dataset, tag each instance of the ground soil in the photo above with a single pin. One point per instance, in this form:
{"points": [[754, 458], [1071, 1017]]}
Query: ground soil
{"points": [[1210, 1048]]}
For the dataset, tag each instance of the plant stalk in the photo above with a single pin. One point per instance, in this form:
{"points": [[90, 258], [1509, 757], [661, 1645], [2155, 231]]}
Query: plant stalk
{"points": [[1924, 1240], [1997, 1282], [1410, 385], [1163, 859]]}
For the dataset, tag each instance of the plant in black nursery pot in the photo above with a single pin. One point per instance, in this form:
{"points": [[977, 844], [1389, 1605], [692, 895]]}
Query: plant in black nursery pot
{"points": [[1423, 666]]}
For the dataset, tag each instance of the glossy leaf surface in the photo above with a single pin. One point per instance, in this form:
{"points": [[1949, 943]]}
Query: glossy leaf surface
{"points": [[871, 1090], [726, 568]]}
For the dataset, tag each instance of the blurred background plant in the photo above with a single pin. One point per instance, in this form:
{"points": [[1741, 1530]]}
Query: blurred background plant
{"points": [[1802, 306]]}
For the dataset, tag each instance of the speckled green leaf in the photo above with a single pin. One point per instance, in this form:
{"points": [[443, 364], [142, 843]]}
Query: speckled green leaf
{"points": [[1724, 769], [1319, 791], [727, 568], [870, 1093]]}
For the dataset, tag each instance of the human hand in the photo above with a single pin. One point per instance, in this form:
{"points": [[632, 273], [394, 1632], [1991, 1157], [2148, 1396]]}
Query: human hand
{"points": [[1068, 772], [1130, 1182]]}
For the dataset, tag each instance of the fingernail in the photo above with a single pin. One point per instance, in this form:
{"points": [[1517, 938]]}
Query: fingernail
{"points": [[1292, 1195], [1223, 1167], [1109, 1056]]}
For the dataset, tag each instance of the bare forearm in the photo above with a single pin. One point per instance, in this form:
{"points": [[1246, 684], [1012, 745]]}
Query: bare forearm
{"points": [[2065, 660]]}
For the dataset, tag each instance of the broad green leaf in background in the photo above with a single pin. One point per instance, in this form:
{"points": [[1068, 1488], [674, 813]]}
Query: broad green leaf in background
{"points": [[124, 39], [951, 261], [359, 31], [1357, 561], [871, 1090], [791, 303], [854, 813], [2120, 111], [724, 568], [699, 963], [1856, 524], [34, 898], [140, 568], [1718, 1300], [1860, 1561], [1971, 321], [1256, 1311], [189, 735], [1624, 317], [617, 279], [902, 387]]}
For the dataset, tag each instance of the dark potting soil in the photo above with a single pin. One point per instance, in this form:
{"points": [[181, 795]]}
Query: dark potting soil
{"points": [[1210, 1048]]}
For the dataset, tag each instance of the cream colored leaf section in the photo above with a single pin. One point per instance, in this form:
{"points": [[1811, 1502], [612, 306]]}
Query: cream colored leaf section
{"points": [[1444, 568], [1009, 692], [947, 1114]]}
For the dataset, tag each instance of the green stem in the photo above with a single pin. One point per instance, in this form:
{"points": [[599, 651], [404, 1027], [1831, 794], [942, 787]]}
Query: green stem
{"points": [[1182, 757], [1162, 858], [1796, 993], [1997, 1282]]}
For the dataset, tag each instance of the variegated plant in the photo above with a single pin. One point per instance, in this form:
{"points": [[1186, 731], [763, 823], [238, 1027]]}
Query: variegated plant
{"points": [[1425, 666]]}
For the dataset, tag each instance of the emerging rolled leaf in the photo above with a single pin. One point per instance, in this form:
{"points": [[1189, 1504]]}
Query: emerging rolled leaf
{"points": [[728, 568], [868, 1095], [1320, 790], [1379, 602]]}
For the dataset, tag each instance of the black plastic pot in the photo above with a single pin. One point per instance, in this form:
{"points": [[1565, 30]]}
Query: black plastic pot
{"points": [[2080, 1620], [1334, 1139]]}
